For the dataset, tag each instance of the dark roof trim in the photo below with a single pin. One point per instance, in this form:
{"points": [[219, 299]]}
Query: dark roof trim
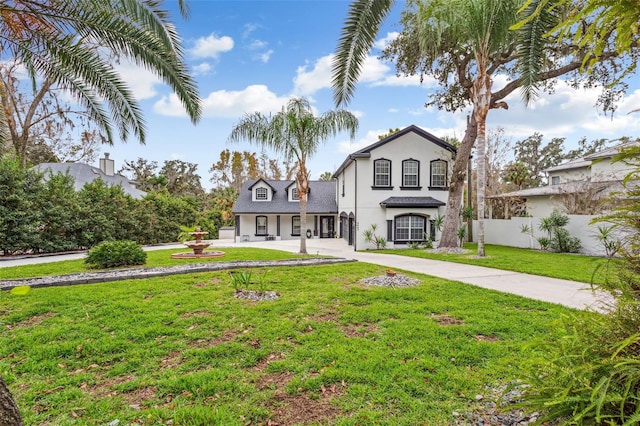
{"points": [[399, 202], [261, 180], [366, 152]]}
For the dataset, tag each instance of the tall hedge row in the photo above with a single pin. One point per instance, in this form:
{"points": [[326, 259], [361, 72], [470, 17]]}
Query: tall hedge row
{"points": [[38, 216]]}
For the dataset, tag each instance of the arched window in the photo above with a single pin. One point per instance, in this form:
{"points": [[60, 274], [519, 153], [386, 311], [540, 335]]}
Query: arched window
{"points": [[410, 228], [382, 173], [438, 174], [410, 173]]}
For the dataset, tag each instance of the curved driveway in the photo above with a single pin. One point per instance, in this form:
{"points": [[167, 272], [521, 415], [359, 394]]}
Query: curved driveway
{"points": [[564, 292]]}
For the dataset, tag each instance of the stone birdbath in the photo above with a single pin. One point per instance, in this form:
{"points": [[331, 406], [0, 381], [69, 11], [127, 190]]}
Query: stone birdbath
{"points": [[198, 245]]}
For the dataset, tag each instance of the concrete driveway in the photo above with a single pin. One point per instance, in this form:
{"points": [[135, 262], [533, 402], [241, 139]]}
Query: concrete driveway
{"points": [[564, 292]]}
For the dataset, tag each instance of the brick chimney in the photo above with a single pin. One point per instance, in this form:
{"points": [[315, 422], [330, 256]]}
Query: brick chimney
{"points": [[107, 165]]}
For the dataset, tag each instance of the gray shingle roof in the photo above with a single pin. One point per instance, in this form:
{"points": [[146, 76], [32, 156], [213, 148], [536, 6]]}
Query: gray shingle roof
{"points": [[321, 199], [84, 173], [411, 202]]}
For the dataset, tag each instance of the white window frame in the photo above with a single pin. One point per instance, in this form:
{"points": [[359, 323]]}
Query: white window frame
{"points": [[262, 194], [411, 228], [438, 177], [414, 174], [382, 178]]}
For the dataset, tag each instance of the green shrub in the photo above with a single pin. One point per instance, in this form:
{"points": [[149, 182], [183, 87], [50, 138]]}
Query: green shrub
{"points": [[111, 254]]}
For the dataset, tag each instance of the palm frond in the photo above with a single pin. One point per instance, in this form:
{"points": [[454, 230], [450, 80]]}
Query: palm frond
{"points": [[358, 35], [531, 46]]}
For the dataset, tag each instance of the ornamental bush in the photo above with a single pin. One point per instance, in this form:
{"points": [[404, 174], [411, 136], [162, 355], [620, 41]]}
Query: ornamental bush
{"points": [[110, 254]]}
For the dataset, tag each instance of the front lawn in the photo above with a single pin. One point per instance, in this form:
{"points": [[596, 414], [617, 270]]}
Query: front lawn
{"points": [[155, 258], [183, 350], [557, 265]]}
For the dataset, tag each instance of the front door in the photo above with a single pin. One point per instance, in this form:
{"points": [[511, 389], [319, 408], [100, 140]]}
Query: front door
{"points": [[326, 226]]}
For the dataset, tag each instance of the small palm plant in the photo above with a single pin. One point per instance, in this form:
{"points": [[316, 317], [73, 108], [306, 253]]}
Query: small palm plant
{"points": [[371, 237]]}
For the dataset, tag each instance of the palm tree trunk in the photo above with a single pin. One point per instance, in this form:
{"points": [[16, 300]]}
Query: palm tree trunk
{"points": [[481, 94], [449, 236], [302, 182], [9, 413]]}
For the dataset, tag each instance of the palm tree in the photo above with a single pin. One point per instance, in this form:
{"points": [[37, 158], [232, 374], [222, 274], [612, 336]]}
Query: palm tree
{"points": [[295, 133], [56, 40], [481, 25]]}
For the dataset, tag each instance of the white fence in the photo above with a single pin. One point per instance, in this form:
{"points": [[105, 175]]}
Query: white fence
{"points": [[508, 232]]}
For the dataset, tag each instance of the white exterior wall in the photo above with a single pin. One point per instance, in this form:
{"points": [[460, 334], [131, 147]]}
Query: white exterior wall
{"points": [[507, 232], [606, 170], [570, 175], [540, 206], [369, 211], [248, 227]]}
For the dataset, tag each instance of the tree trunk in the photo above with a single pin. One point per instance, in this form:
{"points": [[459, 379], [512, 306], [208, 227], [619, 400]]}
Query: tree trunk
{"points": [[449, 237], [302, 182], [481, 94], [9, 413]]}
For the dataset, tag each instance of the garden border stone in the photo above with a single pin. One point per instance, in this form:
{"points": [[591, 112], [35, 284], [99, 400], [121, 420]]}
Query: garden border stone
{"points": [[140, 273]]}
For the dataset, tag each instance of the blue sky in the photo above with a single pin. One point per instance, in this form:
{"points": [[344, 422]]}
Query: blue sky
{"points": [[251, 56]]}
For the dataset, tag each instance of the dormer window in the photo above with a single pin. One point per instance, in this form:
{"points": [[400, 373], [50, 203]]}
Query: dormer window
{"points": [[262, 194], [294, 194]]}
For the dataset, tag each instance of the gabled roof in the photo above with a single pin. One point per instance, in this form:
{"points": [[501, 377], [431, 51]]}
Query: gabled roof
{"points": [[261, 180], [395, 202], [321, 199], [84, 173], [366, 152]]}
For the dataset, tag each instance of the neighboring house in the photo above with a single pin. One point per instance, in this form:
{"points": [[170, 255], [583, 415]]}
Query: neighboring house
{"points": [[84, 173], [578, 186], [270, 210], [399, 183]]}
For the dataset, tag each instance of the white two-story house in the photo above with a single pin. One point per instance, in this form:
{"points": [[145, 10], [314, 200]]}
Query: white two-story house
{"points": [[399, 183], [593, 177]]}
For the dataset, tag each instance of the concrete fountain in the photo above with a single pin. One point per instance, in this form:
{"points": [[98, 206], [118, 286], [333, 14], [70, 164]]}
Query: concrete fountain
{"points": [[198, 246]]}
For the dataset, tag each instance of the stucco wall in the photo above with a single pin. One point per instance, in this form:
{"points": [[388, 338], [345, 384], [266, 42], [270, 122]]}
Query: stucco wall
{"points": [[507, 232]]}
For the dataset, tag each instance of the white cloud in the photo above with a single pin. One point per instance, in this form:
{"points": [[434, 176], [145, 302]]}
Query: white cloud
{"points": [[202, 69], [319, 77], [257, 44], [358, 114], [370, 138], [375, 73], [227, 103], [567, 111], [393, 110], [141, 81], [264, 57], [211, 46], [248, 29], [384, 42]]}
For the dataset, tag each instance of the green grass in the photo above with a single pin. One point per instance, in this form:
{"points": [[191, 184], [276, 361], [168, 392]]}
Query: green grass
{"points": [[155, 258], [183, 348], [557, 265]]}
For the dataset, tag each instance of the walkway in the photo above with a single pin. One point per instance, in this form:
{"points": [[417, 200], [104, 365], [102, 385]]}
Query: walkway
{"points": [[564, 292]]}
